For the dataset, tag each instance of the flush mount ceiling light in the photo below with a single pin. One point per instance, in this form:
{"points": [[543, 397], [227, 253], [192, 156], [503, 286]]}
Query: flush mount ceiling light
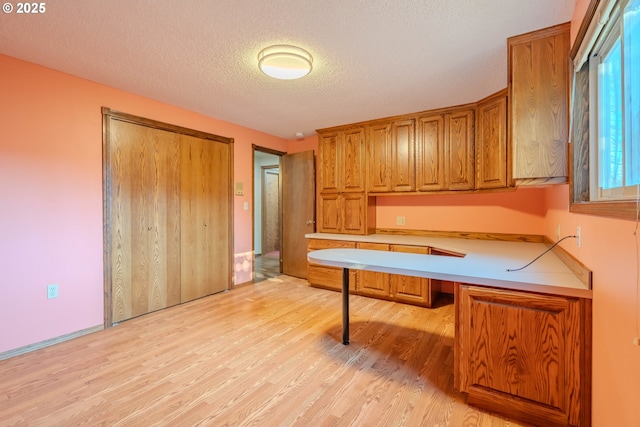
{"points": [[285, 62]]}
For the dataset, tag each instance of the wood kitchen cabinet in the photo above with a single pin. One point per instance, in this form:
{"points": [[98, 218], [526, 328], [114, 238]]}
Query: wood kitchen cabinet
{"points": [[410, 289], [404, 289], [525, 355], [445, 151], [373, 283], [391, 156], [459, 140], [342, 161], [329, 277], [345, 213], [491, 142], [342, 204], [538, 72]]}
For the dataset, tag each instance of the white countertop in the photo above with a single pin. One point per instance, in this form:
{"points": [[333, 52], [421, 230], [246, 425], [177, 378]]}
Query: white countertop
{"points": [[485, 262]]}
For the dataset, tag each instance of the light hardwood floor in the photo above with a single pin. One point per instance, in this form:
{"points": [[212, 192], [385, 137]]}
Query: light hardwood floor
{"points": [[267, 354]]}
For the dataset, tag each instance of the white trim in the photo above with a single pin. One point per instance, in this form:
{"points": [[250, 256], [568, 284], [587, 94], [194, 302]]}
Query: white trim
{"points": [[600, 19]]}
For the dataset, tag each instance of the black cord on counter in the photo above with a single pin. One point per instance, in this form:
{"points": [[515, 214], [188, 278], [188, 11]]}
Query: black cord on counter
{"points": [[538, 257]]}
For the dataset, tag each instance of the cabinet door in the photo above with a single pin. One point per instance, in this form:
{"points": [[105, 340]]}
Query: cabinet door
{"points": [[539, 94], [520, 353], [328, 161], [373, 283], [415, 290], [430, 153], [491, 142], [354, 211], [403, 155], [329, 277], [379, 156], [204, 217], [329, 213], [353, 161], [459, 150]]}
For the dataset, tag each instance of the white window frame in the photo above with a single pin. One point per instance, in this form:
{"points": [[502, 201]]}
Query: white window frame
{"points": [[608, 32]]}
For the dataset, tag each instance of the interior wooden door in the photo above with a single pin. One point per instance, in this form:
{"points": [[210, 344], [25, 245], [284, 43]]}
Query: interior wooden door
{"points": [[205, 215], [144, 211], [298, 210]]}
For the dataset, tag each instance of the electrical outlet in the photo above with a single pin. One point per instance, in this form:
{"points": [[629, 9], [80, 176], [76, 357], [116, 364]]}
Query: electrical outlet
{"points": [[558, 232], [579, 237], [400, 220], [52, 291]]}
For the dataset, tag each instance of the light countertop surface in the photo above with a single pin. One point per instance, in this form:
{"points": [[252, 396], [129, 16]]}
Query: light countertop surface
{"points": [[485, 262]]}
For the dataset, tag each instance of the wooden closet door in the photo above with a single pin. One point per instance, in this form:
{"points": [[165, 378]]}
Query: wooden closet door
{"points": [[145, 211], [205, 215]]}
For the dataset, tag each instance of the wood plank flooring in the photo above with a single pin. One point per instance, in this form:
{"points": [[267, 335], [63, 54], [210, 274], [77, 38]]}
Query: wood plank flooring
{"points": [[267, 354]]}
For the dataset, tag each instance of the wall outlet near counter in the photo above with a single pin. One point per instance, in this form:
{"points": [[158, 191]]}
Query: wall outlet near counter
{"points": [[400, 220], [579, 237]]}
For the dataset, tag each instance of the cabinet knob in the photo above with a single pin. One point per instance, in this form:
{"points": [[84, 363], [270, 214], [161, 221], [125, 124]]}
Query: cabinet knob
{"points": [[149, 228], [205, 224], [310, 221]]}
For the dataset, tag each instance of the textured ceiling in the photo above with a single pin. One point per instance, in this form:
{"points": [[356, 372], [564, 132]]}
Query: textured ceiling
{"points": [[372, 58]]}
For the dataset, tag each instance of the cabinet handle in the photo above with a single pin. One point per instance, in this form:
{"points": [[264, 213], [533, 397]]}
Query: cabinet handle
{"points": [[149, 228], [310, 221]]}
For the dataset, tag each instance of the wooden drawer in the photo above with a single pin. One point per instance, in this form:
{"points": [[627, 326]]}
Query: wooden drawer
{"points": [[315, 244]]}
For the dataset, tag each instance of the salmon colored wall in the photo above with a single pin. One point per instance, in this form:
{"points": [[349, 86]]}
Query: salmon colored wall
{"points": [[609, 249], [51, 196], [520, 212]]}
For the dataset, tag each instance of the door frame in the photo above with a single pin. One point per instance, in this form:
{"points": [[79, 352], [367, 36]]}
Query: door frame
{"points": [[278, 153], [265, 170], [108, 115]]}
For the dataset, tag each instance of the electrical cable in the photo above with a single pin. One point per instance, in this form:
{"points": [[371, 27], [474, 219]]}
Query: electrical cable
{"points": [[540, 256]]}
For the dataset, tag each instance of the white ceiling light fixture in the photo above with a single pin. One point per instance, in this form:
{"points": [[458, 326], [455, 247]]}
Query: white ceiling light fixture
{"points": [[285, 62]]}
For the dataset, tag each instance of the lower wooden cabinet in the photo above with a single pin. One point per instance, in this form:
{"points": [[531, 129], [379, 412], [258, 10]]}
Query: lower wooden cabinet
{"points": [[414, 290], [372, 283], [405, 289], [525, 355], [329, 277]]}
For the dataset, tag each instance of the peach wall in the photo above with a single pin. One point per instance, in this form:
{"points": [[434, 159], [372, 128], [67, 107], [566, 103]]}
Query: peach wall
{"points": [[51, 195], [521, 211], [609, 248]]}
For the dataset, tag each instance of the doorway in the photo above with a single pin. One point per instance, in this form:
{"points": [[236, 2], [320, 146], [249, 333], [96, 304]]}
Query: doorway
{"points": [[267, 214]]}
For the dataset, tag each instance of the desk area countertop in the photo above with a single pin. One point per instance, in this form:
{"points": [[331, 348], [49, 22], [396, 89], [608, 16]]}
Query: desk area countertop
{"points": [[485, 262]]}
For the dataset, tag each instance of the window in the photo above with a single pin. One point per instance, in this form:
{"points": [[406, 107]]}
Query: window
{"points": [[606, 110]]}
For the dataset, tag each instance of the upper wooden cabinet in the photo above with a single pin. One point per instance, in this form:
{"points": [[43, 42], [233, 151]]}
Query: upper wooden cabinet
{"points": [[491, 142], [445, 151], [459, 154], [342, 161], [430, 153], [345, 213], [539, 103], [391, 156]]}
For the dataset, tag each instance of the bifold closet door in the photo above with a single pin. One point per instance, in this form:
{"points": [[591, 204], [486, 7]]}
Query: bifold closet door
{"points": [[145, 219], [205, 215]]}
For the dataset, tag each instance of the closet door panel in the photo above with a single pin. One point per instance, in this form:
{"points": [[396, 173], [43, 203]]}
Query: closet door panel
{"points": [[204, 217], [145, 210]]}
